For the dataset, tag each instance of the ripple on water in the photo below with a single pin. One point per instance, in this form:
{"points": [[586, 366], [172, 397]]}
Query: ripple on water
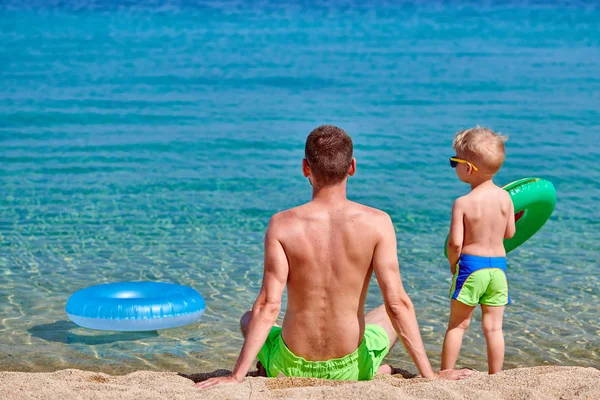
{"points": [[135, 157]]}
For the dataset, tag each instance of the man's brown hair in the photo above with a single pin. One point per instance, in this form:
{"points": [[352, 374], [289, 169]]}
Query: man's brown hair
{"points": [[329, 154]]}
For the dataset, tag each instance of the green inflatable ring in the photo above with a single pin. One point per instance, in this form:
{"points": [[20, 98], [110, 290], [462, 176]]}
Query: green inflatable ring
{"points": [[534, 200]]}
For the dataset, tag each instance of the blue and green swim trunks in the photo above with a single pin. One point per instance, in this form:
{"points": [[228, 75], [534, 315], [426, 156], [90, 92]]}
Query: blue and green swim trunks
{"points": [[360, 365], [480, 280]]}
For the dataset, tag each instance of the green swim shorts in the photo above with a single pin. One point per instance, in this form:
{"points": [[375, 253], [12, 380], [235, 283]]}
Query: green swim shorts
{"points": [[480, 280], [360, 365]]}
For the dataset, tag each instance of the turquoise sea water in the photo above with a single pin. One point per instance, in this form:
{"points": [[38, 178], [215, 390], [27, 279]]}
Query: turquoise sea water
{"points": [[154, 142]]}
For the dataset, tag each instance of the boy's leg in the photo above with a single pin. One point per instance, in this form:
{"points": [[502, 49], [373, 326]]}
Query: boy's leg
{"points": [[491, 323], [460, 317]]}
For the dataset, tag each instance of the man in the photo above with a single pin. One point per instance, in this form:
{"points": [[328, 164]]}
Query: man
{"points": [[326, 251]]}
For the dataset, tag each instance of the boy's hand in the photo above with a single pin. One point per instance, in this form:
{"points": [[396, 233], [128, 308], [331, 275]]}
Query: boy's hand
{"points": [[453, 269]]}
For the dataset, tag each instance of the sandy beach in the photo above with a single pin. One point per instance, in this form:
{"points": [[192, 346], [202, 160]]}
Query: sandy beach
{"points": [[522, 383], [152, 142]]}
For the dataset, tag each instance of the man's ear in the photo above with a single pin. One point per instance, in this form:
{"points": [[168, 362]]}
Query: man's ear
{"points": [[305, 167], [352, 169]]}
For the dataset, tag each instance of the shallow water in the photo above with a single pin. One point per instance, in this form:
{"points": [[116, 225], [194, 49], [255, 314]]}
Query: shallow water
{"points": [[153, 143]]}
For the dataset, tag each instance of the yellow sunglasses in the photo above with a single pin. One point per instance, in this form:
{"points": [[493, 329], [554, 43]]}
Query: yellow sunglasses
{"points": [[454, 161]]}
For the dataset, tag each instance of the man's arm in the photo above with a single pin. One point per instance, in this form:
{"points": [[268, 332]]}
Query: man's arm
{"points": [[265, 311], [398, 305], [456, 236]]}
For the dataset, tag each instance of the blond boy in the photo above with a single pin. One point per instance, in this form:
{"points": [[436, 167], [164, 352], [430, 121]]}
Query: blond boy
{"points": [[480, 222]]}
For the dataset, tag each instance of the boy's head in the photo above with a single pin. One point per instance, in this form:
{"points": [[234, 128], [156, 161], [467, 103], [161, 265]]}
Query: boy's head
{"points": [[328, 155], [482, 148]]}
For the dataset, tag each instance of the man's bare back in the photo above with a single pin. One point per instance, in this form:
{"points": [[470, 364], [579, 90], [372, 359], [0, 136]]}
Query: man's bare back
{"points": [[487, 210], [325, 252], [329, 246]]}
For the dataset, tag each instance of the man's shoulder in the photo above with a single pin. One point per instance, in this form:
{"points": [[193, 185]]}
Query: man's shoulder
{"points": [[371, 214], [298, 214], [285, 219], [285, 216]]}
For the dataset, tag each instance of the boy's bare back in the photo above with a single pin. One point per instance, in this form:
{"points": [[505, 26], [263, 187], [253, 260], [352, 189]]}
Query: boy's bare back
{"points": [[486, 213], [329, 247]]}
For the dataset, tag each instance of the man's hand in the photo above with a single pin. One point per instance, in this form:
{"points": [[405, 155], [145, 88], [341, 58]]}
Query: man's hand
{"points": [[455, 374], [221, 380], [266, 307], [453, 269], [399, 308]]}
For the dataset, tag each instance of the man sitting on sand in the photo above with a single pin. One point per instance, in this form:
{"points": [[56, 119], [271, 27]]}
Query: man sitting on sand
{"points": [[326, 251]]}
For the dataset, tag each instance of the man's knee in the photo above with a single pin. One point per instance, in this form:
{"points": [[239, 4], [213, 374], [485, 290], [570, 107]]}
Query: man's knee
{"points": [[380, 317], [245, 322]]}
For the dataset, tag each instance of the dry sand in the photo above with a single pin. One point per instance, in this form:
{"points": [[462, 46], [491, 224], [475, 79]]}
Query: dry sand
{"points": [[524, 383]]}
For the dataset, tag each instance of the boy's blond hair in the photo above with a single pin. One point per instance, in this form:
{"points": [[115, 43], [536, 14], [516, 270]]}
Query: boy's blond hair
{"points": [[481, 146]]}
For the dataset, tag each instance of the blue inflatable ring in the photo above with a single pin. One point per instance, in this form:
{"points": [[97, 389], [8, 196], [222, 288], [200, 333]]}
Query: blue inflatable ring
{"points": [[135, 306]]}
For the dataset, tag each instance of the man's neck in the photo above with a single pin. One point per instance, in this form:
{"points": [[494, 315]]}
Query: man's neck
{"points": [[329, 193]]}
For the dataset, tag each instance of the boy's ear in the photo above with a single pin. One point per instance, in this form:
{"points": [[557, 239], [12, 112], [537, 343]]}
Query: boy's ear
{"points": [[352, 169], [305, 167]]}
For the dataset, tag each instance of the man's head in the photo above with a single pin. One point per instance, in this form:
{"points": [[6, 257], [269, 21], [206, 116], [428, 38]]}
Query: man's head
{"points": [[328, 155], [481, 148]]}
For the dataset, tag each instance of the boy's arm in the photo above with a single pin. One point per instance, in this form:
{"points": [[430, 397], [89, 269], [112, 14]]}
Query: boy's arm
{"points": [[398, 305], [265, 311], [510, 224], [456, 236]]}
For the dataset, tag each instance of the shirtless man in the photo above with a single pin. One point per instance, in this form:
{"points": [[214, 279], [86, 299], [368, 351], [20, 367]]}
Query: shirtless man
{"points": [[326, 251]]}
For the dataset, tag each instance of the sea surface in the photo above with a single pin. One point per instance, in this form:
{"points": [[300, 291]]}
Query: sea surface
{"points": [[153, 142]]}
